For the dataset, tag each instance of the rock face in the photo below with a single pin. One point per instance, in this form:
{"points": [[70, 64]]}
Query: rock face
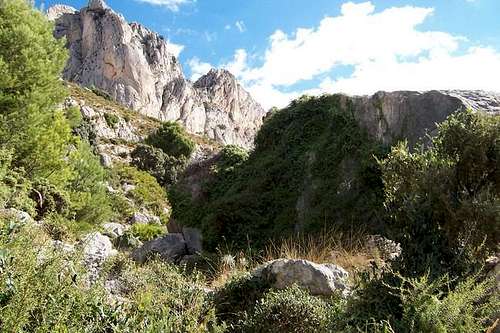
{"points": [[134, 65], [170, 248], [409, 115], [324, 280], [96, 249]]}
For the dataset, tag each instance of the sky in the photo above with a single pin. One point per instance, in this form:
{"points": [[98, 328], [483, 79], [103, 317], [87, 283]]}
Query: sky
{"points": [[282, 49]]}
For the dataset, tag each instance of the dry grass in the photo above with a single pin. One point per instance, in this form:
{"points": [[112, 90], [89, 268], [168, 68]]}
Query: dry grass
{"points": [[348, 250]]}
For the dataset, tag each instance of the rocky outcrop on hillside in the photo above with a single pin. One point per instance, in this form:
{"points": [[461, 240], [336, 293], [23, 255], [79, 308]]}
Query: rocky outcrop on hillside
{"points": [[135, 67], [392, 116]]}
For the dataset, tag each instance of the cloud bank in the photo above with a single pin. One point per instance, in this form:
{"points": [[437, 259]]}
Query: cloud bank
{"points": [[386, 51]]}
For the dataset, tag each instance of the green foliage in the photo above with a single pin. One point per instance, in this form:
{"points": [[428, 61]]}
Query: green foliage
{"points": [[290, 310], [164, 168], [238, 297], [46, 291], [147, 232], [172, 138], [101, 93], [31, 61], [165, 300], [111, 119], [312, 167], [147, 192], [443, 225], [89, 197]]}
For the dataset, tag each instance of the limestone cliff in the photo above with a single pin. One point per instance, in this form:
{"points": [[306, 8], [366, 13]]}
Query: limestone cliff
{"points": [[134, 65]]}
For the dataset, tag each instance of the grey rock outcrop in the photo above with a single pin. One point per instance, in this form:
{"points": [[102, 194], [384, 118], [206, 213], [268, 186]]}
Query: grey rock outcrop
{"points": [[135, 67], [170, 248], [318, 279], [392, 116], [97, 248]]}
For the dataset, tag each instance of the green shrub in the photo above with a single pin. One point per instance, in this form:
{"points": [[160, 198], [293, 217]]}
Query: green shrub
{"points": [[89, 198], [467, 308], [443, 225], [111, 119], [238, 297], [147, 232], [290, 310], [163, 167], [313, 153], [147, 192], [101, 93], [172, 138], [165, 300]]}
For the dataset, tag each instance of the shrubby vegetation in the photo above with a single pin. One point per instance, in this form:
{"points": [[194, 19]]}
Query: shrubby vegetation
{"points": [[146, 191], [443, 201], [163, 167], [172, 139], [313, 168]]}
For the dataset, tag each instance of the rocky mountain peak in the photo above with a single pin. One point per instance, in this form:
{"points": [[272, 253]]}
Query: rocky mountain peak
{"points": [[97, 5], [135, 67]]}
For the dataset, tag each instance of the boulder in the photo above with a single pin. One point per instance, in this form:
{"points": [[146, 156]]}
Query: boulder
{"points": [[96, 249], [317, 279], [387, 249], [144, 218], [170, 248], [193, 238], [18, 215], [114, 230]]}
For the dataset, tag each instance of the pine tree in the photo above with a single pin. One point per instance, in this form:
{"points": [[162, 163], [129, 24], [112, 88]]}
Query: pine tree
{"points": [[31, 61]]}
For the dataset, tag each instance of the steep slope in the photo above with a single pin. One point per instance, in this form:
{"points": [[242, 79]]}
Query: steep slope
{"points": [[313, 166], [135, 67]]}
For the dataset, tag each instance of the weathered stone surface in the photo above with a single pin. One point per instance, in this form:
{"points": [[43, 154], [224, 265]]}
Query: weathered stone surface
{"points": [[387, 249], [392, 116], [318, 279], [114, 230], [194, 240], [144, 218], [16, 214], [170, 248], [134, 65], [96, 249]]}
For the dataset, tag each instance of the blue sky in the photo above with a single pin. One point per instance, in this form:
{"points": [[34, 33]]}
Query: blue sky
{"points": [[280, 49]]}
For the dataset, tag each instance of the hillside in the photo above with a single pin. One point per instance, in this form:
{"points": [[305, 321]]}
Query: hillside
{"points": [[132, 200]]}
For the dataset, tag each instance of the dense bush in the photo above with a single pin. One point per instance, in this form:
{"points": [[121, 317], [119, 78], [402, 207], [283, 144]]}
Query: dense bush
{"points": [[290, 310], [313, 168], [237, 298], [421, 305], [163, 167], [444, 200], [172, 138]]}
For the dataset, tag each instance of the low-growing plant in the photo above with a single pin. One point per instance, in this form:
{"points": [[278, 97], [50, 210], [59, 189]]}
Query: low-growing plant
{"points": [[290, 310], [111, 119], [238, 297], [147, 232]]}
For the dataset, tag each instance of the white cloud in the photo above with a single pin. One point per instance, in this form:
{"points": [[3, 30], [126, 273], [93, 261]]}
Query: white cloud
{"points": [[240, 25], [198, 68], [173, 48], [227, 27], [386, 50], [173, 5]]}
